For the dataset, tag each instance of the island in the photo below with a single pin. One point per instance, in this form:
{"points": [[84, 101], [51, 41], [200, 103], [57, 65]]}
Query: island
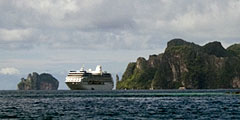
{"points": [[35, 81], [185, 65]]}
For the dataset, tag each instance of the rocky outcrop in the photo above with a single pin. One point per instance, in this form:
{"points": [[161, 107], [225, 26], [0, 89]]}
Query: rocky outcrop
{"points": [[35, 81], [234, 49], [185, 64]]}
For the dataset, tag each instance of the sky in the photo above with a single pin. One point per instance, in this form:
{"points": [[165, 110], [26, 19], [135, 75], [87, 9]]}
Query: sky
{"points": [[56, 36]]}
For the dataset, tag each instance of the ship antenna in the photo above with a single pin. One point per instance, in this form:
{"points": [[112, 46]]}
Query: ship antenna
{"points": [[82, 69]]}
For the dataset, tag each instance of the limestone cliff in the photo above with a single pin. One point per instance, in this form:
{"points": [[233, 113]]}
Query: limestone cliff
{"points": [[35, 81], [185, 64]]}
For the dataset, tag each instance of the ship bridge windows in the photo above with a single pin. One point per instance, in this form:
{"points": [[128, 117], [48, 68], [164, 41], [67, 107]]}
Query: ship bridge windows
{"points": [[87, 74]]}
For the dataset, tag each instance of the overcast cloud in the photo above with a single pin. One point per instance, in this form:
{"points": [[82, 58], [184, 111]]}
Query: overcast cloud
{"points": [[9, 71], [107, 24], [45, 35]]}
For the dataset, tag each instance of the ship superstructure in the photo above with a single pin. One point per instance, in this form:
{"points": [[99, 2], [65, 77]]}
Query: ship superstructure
{"points": [[89, 80]]}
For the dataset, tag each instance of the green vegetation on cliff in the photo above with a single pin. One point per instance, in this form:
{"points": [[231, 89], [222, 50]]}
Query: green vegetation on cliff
{"points": [[185, 64], [234, 49]]}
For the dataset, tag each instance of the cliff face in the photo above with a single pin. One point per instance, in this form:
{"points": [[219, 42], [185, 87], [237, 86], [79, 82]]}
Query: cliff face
{"points": [[35, 81], [185, 64]]}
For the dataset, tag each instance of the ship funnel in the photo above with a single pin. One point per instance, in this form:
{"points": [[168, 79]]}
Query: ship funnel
{"points": [[99, 68]]}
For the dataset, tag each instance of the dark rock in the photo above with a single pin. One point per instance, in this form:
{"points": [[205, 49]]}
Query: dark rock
{"points": [[234, 49], [215, 48], [117, 77], [35, 81], [177, 42]]}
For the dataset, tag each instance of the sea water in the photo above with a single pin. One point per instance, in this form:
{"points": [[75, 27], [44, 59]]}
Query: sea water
{"points": [[133, 104]]}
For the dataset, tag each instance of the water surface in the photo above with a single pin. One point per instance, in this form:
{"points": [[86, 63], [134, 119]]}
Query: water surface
{"points": [[136, 104]]}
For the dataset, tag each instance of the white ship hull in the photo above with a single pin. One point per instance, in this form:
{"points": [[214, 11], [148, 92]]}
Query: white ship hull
{"points": [[82, 86]]}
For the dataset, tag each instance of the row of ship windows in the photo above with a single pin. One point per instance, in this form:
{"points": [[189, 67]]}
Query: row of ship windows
{"points": [[74, 80], [76, 83], [102, 75], [95, 83], [90, 83]]}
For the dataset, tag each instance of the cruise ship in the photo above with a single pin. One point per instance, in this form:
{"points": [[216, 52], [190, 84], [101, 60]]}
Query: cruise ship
{"points": [[89, 80]]}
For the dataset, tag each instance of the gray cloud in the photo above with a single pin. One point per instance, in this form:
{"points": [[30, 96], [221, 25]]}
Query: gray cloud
{"points": [[9, 71], [106, 24]]}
